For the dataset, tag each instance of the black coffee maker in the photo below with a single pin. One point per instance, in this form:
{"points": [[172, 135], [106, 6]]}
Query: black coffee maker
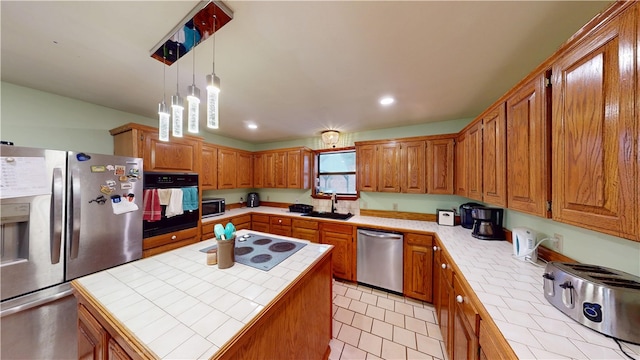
{"points": [[466, 221], [487, 223]]}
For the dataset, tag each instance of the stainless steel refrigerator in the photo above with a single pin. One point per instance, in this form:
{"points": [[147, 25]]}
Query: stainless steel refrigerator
{"points": [[64, 215]]}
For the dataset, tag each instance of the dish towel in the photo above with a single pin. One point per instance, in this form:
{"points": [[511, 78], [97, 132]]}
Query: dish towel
{"points": [[152, 209], [165, 196], [190, 198], [175, 204]]}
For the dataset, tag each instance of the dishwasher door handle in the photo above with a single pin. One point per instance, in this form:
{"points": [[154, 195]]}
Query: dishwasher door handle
{"points": [[378, 235]]}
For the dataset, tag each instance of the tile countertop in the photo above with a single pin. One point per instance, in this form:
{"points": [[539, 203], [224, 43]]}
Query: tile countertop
{"points": [[509, 289], [180, 308]]}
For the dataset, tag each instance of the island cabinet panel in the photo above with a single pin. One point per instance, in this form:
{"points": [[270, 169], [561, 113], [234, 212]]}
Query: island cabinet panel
{"points": [[244, 170], [116, 351], [528, 148], [241, 222], [367, 169], [474, 161], [258, 170], [494, 157], [439, 171], [412, 164], [92, 337], [593, 129], [418, 265], [209, 167], [461, 160], [341, 237], [305, 229], [227, 165]]}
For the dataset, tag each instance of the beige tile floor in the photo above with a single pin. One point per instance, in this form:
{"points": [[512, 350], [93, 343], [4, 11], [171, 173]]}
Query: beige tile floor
{"points": [[373, 324]]}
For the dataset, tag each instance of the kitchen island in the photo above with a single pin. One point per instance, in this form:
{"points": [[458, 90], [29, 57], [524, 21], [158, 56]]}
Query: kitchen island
{"points": [[175, 306]]}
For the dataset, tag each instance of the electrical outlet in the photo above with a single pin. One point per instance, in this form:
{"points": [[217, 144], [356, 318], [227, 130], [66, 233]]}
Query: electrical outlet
{"points": [[557, 245], [395, 206], [241, 200]]}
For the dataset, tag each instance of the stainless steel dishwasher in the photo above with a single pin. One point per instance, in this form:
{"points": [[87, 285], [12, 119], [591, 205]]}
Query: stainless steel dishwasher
{"points": [[380, 259]]}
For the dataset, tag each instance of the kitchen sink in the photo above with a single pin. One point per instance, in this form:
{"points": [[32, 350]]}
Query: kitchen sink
{"points": [[329, 215]]}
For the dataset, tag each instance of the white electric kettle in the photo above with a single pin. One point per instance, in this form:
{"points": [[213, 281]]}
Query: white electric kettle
{"points": [[524, 244]]}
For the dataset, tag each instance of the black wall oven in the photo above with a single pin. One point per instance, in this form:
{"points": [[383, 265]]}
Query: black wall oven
{"points": [[188, 219]]}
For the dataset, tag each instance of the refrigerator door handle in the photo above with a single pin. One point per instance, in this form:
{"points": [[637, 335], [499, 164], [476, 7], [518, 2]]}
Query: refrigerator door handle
{"points": [[75, 211], [56, 215], [35, 303]]}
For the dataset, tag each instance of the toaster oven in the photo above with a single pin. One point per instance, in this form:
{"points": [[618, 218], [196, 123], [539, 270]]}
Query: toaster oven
{"points": [[603, 299]]}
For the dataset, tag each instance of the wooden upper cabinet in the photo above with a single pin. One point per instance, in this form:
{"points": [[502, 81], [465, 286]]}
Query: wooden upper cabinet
{"points": [[366, 167], [594, 180], [494, 156], [474, 161], [440, 154], [258, 170], [528, 146], [299, 168], [209, 173], [227, 164], [270, 170], [178, 154], [388, 159], [244, 170], [412, 167], [280, 170], [461, 159]]}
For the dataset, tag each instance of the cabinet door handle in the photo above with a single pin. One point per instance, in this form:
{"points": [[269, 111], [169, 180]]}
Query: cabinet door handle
{"points": [[280, 221], [174, 237], [435, 248], [459, 299], [444, 266]]}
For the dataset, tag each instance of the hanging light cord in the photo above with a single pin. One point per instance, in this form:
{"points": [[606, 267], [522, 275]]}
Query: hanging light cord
{"points": [[164, 72], [213, 51], [177, 70], [194, 53]]}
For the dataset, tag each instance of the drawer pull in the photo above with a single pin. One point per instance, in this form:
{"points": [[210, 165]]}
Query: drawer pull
{"points": [[444, 266], [435, 248], [173, 237], [280, 221], [459, 299]]}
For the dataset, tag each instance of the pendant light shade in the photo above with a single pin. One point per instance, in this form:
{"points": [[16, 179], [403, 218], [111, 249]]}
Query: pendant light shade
{"points": [[177, 105], [213, 87], [193, 96], [213, 91], [163, 109]]}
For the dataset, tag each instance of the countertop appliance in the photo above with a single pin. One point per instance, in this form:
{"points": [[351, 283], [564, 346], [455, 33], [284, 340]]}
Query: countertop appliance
{"points": [[64, 215], [600, 298], [213, 207], [253, 199], [466, 221], [176, 221], [487, 223], [262, 252], [300, 208], [380, 259], [525, 244]]}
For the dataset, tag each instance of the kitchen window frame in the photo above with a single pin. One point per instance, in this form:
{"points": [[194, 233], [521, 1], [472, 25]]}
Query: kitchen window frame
{"points": [[316, 174]]}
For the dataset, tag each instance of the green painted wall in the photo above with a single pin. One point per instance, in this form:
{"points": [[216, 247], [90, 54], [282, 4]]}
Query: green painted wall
{"points": [[38, 119]]}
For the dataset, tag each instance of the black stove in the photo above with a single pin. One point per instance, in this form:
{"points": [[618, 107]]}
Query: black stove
{"points": [[262, 252]]}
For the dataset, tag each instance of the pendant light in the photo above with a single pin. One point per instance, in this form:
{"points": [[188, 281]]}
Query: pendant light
{"points": [[177, 104], [213, 87], [163, 109], [193, 94]]}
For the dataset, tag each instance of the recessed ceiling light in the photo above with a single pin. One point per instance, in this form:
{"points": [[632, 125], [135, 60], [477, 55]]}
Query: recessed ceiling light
{"points": [[387, 100], [252, 126]]}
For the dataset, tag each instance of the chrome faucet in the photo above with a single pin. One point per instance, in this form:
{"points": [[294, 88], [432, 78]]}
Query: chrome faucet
{"points": [[334, 200]]}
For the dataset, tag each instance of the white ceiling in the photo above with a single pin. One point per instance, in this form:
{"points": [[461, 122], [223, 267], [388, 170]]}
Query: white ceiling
{"points": [[293, 68]]}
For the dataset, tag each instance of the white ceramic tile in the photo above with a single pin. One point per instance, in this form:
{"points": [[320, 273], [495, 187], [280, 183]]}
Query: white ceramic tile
{"points": [[194, 313], [415, 325], [425, 314], [170, 340], [353, 294], [382, 329], [391, 350], [336, 349], [352, 353], [193, 348], [242, 308], [209, 323], [370, 343], [375, 312], [369, 298], [358, 306], [594, 351], [342, 301], [394, 318], [154, 329], [362, 322], [335, 328], [433, 330], [386, 303], [265, 297], [349, 335], [225, 332], [413, 354], [557, 344], [404, 337], [344, 315], [225, 302], [404, 308], [181, 306], [517, 333]]}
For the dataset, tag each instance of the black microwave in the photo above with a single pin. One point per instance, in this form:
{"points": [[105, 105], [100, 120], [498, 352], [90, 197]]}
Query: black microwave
{"points": [[212, 207]]}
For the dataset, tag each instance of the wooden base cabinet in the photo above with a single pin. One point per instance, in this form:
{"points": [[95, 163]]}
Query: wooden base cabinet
{"points": [[465, 323], [260, 222], [418, 264], [280, 225], [305, 229], [341, 237], [161, 243], [92, 337]]}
